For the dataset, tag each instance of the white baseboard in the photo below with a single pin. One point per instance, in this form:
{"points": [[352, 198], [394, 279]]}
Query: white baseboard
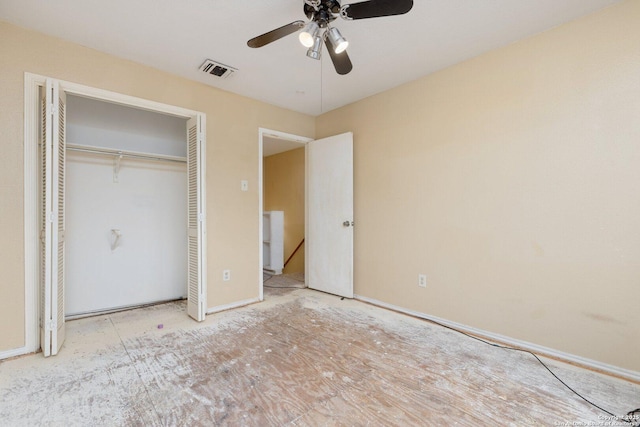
{"points": [[237, 304], [534, 348], [14, 352]]}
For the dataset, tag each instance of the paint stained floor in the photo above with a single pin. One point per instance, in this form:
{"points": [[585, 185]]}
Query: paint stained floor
{"points": [[301, 358]]}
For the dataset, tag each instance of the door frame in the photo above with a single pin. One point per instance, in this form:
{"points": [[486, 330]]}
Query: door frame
{"points": [[303, 140], [32, 85]]}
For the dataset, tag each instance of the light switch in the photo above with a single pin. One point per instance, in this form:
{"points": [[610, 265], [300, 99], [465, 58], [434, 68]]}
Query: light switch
{"points": [[244, 185]]}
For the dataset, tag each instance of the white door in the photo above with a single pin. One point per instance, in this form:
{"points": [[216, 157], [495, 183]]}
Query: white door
{"points": [[52, 326], [196, 260], [329, 239]]}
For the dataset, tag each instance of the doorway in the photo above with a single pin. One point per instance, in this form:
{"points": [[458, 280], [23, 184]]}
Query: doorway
{"points": [[282, 176], [329, 217]]}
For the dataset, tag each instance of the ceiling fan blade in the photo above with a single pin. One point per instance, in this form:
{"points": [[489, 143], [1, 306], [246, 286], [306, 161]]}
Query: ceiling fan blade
{"points": [[378, 8], [341, 61], [276, 34]]}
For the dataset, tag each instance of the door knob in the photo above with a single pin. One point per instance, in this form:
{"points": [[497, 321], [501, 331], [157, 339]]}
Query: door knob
{"points": [[346, 223]]}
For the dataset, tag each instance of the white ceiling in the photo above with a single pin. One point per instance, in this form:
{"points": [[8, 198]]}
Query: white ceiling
{"points": [[178, 35]]}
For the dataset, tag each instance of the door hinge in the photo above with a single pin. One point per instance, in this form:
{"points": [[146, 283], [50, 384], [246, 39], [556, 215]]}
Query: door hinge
{"points": [[52, 217], [51, 325], [201, 217]]}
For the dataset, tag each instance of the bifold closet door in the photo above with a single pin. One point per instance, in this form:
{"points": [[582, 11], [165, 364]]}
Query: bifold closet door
{"points": [[52, 232], [196, 292]]}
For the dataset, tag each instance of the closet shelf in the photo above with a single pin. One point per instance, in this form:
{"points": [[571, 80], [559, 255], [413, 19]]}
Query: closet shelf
{"points": [[124, 153]]}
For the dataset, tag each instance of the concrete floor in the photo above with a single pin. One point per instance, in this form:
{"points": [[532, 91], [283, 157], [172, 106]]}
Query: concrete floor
{"points": [[299, 358]]}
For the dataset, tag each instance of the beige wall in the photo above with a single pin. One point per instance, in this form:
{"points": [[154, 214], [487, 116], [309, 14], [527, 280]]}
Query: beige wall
{"points": [[513, 182], [232, 155], [284, 191]]}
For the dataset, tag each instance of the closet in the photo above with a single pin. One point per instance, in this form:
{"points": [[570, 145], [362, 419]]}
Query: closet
{"points": [[126, 207]]}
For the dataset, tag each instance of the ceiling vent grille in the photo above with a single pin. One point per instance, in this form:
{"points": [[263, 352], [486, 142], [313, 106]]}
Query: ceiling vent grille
{"points": [[217, 69]]}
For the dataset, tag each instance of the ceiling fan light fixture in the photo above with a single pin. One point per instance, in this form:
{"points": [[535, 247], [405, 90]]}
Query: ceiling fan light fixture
{"points": [[340, 43], [315, 51], [308, 35]]}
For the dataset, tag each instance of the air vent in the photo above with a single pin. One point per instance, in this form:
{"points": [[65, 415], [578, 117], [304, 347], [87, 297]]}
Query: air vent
{"points": [[217, 69]]}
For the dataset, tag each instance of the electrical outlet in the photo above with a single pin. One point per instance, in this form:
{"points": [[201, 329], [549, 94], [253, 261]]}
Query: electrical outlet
{"points": [[244, 185], [422, 280], [226, 275]]}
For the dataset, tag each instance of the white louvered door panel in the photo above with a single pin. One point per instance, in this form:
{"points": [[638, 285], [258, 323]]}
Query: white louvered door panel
{"points": [[196, 292], [45, 221], [58, 275], [52, 324]]}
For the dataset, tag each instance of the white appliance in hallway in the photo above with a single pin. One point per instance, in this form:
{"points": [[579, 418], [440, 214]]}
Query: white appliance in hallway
{"points": [[273, 241]]}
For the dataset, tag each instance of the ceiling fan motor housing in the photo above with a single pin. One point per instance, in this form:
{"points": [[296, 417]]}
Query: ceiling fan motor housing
{"points": [[326, 12]]}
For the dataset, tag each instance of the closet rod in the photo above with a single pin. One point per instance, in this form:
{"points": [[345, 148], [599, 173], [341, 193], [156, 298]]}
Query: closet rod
{"points": [[131, 154]]}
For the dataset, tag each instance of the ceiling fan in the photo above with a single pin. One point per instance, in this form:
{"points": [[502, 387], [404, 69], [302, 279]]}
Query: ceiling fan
{"points": [[321, 13]]}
